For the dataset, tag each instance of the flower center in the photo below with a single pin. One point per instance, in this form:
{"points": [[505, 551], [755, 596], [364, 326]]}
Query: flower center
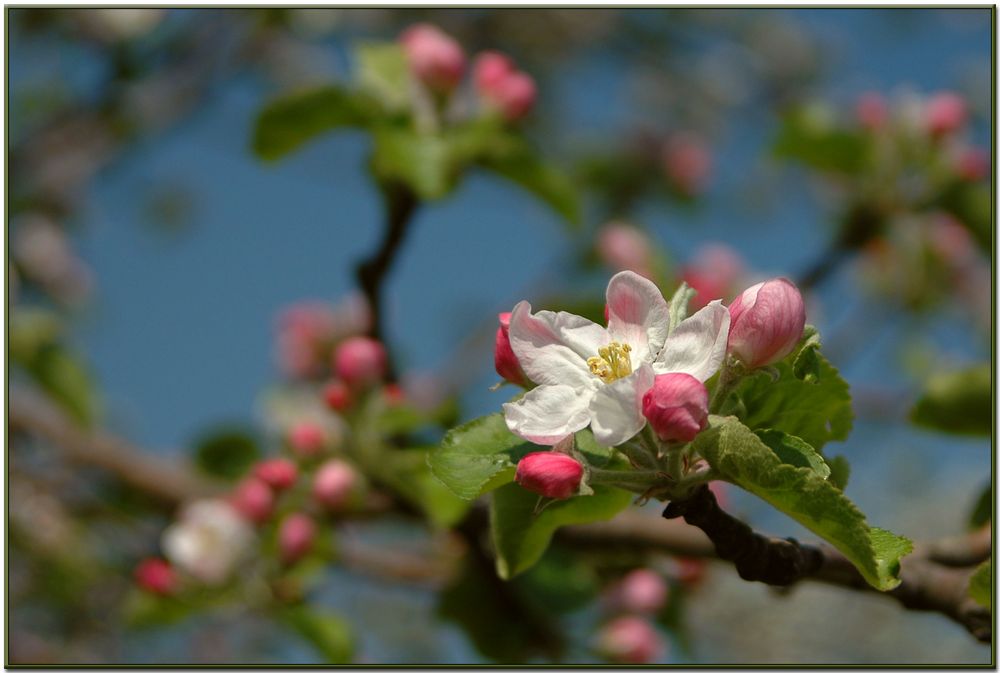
{"points": [[612, 362]]}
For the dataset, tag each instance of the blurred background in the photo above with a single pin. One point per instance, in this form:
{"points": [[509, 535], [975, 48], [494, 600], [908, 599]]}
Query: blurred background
{"points": [[151, 253]]}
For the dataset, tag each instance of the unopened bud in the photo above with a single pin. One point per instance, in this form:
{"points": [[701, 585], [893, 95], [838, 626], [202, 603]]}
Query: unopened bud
{"points": [[630, 640], [253, 499], [972, 164], [435, 58], [945, 113], [278, 473], [676, 407], [766, 322], [642, 591], [307, 439], [503, 87], [156, 576], [490, 69], [296, 537], [335, 484], [625, 248], [688, 163], [337, 395], [504, 359], [549, 473], [360, 361]]}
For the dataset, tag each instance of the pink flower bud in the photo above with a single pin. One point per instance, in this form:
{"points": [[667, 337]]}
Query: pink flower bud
{"points": [[513, 94], [642, 591], [490, 69], [296, 537], [278, 473], [687, 163], [156, 576], [945, 113], [335, 484], [625, 248], [307, 439], [690, 571], [504, 360], [630, 640], [548, 473], [253, 499], [676, 407], [871, 111], [337, 395], [435, 58], [766, 322], [393, 394], [360, 361], [972, 164]]}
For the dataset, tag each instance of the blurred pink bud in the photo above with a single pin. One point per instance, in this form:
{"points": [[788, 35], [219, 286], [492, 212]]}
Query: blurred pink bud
{"points": [[687, 163], [253, 499], [307, 439], [676, 407], [278, 473], [515, 95], [156, 576], [551, 474], [642, 591], [296, 537], [690, 571], [435, 58], [337, 395], [945, 113], [360, 361], [303, 331], [951, 240], [490, 69], [335, 484], [504, 360], [714, 273], [972, 164], [630, 640], [625, 248], [871, 111], [766, 322]]}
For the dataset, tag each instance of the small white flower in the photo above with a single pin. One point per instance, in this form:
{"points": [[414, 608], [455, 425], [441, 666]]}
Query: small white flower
{"points": [[208, 540], [596, 376]]}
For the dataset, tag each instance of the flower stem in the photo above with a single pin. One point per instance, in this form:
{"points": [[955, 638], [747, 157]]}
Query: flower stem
{"points": [[637, 481]]}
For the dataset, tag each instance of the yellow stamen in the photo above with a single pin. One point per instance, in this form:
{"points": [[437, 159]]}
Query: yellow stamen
{"points": [[612, 362]]}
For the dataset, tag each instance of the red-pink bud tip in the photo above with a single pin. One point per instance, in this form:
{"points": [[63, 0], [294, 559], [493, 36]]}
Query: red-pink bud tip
{"points": [[360, 361], [337, 395], [766, 322], [278, 473], [630, 640], [504, 360], [676, 407], [435, 58], [945, 113], [296, 537], [551, 474], [253, 499], [306, 439], [642, 591], [335, 484], [503, 87], [155, 576]]}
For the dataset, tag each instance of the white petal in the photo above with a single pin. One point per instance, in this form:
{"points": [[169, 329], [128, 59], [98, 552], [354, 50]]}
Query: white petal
{"points": [[637, 315], [697, 346], [547, 414], [616, 410], [553, 347]]}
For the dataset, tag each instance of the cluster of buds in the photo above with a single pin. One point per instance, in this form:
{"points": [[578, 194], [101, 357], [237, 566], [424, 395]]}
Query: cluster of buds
{"points": [[438, 62], [309, 331]]}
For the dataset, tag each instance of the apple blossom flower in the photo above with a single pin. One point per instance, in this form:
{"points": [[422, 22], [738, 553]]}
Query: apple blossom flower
{"points": [[944, 113], [630, 640], [278, 473], [596, 376], [253, 499], [155, 576], [641, 591], [504, 359], [434, 57], [766, 322], [208, 540], [360, 361], [335, 484], [624, 247], [549, 473], [295, 537], [676, 407]]}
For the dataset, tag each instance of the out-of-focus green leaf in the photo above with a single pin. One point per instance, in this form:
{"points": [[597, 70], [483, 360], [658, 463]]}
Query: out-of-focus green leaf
{"points": [[476, 452], [740, 455], [982, 511], [145, 610], [521, 535], [818, 143], [407, 473], [959, 402], [817, 410], [840, 471], [426, 163], [226, 452], [382, 71], [62, 375], [289, 122], [560, 582], [30, 330], [329, 633], [981, 585]]}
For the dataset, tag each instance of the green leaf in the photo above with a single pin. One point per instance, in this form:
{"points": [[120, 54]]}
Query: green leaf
{"points": [[30, 330], [329, 633], [226, 452], [426, 163], [982, 511], [678, 307], [476, 452], [981, 585], [840, 471], [289, 122], [958, 402], [817, 411], [740, 455], [793, 451], [142, 609], [520, 535], [805, 361], [63, 376], [808, 138], [383, 72], [406, 472]]}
